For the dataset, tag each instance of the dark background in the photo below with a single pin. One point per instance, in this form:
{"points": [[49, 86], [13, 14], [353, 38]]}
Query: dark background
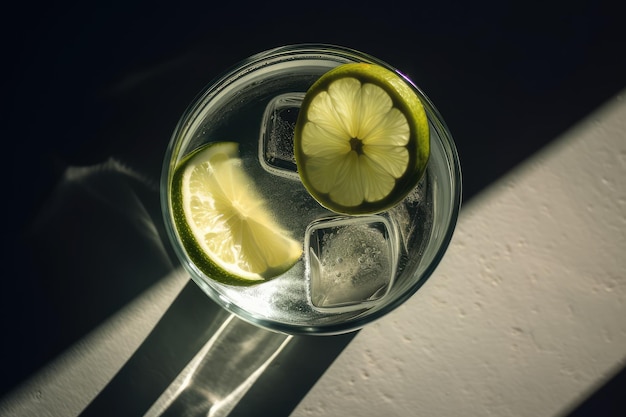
{"points": [[87, 82]]}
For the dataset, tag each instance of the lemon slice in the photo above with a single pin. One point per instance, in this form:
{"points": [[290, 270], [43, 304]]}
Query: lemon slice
{"points": [[223, 221], [361, 140]]}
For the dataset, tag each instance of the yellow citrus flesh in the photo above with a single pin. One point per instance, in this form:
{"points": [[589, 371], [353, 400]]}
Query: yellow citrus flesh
{"points": [[361, 140], [223, 222]]}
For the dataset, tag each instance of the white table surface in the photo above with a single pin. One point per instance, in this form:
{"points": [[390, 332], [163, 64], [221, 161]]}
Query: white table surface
{"points": [[523, 317]]}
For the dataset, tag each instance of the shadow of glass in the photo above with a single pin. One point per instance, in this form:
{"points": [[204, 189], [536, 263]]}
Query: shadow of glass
{"points": [[222, 372], [202, 360]]}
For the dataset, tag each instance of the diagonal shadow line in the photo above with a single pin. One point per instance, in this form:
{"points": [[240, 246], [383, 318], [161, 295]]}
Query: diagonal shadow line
{"points": [[605, 400]]}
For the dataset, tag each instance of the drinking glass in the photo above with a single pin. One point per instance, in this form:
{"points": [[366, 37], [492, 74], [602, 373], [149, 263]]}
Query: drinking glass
{"points": [[354, 269]]}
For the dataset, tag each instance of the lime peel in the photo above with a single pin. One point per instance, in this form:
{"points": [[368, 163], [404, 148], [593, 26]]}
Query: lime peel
{"points": [[361, 139], [223, 222]]}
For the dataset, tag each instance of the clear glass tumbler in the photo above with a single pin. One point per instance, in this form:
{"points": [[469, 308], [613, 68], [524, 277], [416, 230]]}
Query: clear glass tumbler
{"points": [[256, 103]]}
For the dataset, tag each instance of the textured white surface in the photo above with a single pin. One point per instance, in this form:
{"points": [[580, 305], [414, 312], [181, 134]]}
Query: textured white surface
{"points": [[526, 312]]}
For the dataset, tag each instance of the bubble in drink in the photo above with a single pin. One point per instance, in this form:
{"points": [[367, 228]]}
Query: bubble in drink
{"points": [[351, 262]]}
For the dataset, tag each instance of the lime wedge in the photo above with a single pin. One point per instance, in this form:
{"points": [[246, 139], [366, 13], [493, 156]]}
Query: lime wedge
{"points": [[361, 140], [223, 221]]}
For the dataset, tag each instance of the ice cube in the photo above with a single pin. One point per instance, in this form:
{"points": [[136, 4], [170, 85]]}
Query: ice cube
{"points": [[276, 139], [350, 262]]}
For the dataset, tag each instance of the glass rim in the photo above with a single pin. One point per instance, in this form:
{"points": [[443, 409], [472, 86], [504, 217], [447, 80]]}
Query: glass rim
{"points": [[301, 51]]}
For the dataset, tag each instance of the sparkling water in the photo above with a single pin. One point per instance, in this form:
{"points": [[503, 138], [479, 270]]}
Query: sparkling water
{"points": [[350, 265], [350, 262]]}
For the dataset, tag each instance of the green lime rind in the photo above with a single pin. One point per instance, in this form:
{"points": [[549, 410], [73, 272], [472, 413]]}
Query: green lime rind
{"points": [[405, 99], [198, 257], [192, 247]]}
